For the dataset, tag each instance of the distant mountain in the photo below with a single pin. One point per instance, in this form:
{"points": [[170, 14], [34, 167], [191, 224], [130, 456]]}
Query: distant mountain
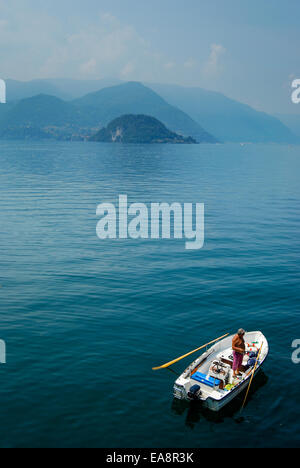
{"points": [[66, 89], [135, 98], [139, 129], [41, 111], [17, 90], [228, 120], [79, 88], [82, 117], [4, 108], [185, 111], [44, 115], [292, 121]]}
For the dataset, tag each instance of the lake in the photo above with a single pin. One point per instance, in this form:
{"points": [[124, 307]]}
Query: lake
{"points": [[85, 320]]}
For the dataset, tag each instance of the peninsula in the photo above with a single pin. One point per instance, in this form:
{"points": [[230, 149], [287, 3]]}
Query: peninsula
{"points": [[141, 129]]}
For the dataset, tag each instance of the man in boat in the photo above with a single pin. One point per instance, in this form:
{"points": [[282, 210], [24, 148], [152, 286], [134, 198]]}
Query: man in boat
{"points": [[239, 348]]}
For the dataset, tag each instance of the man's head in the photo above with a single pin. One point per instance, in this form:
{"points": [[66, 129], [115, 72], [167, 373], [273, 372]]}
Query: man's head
{"points": [[241, 332]]}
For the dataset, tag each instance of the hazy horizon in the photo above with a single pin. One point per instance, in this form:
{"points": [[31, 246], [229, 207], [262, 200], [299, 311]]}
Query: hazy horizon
{"points": [[248, 52]]}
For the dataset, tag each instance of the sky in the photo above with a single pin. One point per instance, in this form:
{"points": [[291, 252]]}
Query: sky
{"points": [[246, 49]]}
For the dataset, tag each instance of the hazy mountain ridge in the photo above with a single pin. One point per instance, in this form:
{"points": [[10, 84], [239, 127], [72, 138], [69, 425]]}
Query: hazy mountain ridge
{"points": [[188, 111], [46, 115], [81, 118], [66, 89], [135, 98], [292, 121], [231, 120]]}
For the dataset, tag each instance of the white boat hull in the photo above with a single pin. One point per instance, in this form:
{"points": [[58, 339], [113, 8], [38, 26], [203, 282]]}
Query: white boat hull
{"points": [[218, 405], [213, 398]]}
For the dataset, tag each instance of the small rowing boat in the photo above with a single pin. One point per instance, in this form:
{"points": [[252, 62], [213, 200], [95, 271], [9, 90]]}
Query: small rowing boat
{"points": [[210, 379]]}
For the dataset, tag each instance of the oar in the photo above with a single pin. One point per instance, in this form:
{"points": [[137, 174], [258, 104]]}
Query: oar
{"points": [[188, 354], [254, 370]]}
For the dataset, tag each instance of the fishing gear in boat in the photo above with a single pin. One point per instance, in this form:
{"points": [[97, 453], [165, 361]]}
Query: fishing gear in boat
{"points": [[257, 363], [221, 372]]}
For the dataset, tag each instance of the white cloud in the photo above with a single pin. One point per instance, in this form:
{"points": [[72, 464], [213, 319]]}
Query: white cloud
{"points": [[213, 65], [190, 63], [40, 46], [128, 71], [169, 65], [37, 45], [88, 68], [108, 47]]}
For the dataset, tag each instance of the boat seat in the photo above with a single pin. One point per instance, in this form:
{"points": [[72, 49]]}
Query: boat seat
{"points": [[206, 380]]}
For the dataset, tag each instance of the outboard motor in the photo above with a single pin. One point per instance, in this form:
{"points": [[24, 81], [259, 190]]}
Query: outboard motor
{"points": [[195, 393]]}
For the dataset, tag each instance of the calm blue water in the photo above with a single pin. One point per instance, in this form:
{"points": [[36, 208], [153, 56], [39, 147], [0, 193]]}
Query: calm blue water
{"points": [[85, 320]]}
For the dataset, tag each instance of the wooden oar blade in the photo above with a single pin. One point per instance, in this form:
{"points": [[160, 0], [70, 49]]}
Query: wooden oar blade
{"points": [[168, 364], [158, 368], [165, 366]]}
